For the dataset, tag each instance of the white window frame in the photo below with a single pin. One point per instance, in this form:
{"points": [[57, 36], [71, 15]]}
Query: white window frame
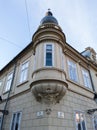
{"points": [[24, 72], [86, 78], [52, 54], [15, 113], [76, 124], [73, 66], [8, 81]]}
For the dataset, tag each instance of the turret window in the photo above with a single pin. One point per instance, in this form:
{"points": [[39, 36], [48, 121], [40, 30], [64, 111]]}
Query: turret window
{"points": [[48, 55]]}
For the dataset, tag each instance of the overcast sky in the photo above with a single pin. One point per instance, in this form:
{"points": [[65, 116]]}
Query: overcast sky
{"points": [[19, 19]]}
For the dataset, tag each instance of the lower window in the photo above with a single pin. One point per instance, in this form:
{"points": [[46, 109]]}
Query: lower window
{"points": [[16, 118], [95, 122], [80, 121]]}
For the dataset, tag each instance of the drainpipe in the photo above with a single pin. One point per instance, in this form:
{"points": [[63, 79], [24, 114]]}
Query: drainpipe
{"points": [[92, 81], [8, 97]]}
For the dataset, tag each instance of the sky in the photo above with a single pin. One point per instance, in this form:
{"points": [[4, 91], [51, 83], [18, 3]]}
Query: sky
{"points": [[19, 19]]}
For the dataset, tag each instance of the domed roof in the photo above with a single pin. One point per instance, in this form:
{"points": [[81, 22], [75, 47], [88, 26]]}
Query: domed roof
{"points": [[49, 18]]}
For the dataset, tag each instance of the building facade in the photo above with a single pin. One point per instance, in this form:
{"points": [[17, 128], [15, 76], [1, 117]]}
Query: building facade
{"points": [[49, 85]]}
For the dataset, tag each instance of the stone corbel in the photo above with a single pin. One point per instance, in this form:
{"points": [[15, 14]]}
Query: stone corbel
{"points": [[49, 93]]}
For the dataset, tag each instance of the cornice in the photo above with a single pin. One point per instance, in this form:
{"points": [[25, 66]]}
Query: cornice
{"points": [[76, 56], [45, 31]]}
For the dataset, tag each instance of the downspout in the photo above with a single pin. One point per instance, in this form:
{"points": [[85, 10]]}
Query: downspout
{"points": [[8, 97], [91, 79]]}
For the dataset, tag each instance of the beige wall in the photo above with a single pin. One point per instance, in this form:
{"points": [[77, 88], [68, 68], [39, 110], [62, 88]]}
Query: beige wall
{"points": [[77, 96], [26, 103]]}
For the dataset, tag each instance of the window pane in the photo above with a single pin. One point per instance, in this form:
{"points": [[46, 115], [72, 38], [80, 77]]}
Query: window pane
{"points": [[49, 47], [48, 62], [48, 55], [17, 121], [49, 59], [13, 122]]}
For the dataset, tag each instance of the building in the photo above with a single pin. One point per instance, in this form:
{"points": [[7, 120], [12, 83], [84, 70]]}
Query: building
{"points": [[49, 85]]}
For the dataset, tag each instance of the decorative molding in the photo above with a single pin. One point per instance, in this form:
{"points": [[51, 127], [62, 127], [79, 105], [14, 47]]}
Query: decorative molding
{"points": [[49, 68], [48, 111]]}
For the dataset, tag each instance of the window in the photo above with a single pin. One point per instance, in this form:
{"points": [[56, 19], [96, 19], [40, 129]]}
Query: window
{"points": [[80, 121], [72, 71], [16, 119], [86, 77], [24, 72], [95, 122], [8, 82], [49, 55]]}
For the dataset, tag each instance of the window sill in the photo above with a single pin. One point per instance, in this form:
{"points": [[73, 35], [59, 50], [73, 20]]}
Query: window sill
{"points": [[79, 85], [5, 92], [20, 84], [48, 66]]}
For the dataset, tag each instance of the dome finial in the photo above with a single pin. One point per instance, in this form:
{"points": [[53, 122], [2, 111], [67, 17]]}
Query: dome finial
{"points": [[49, 13], [49, 9]]}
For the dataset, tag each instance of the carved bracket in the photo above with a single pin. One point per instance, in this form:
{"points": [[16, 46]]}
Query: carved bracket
{"points": [[49, 93]]}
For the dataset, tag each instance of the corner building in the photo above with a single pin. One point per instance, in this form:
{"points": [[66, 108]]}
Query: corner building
{"points": [[49, 85]]}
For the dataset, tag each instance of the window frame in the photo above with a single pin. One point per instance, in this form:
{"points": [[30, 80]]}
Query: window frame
{"points": [[45, 52], [86, 80], [22, 72], [15, 113], [80, 112], [8, 82], [73, 66]]}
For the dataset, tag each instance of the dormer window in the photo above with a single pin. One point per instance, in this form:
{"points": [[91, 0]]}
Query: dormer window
{"points": [[48, 55]]}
